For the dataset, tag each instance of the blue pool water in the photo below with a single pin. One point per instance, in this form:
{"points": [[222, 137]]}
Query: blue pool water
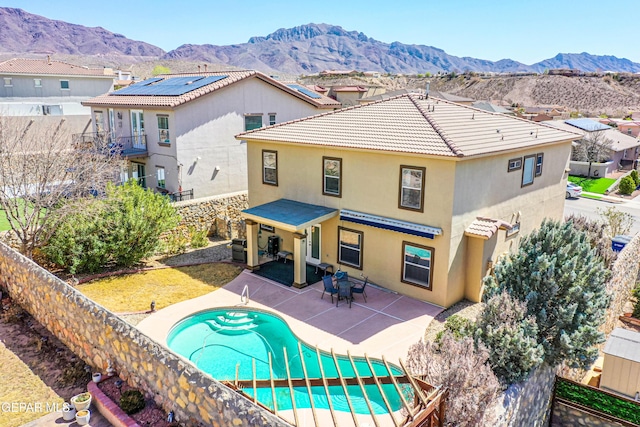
{"points": [[216, 341]]}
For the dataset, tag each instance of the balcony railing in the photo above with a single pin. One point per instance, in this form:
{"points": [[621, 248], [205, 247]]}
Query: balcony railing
{"points": [[126, 146]]}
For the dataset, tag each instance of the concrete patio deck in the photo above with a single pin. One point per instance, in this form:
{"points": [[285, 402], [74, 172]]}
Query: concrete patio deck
{"points": [[387, 324]]}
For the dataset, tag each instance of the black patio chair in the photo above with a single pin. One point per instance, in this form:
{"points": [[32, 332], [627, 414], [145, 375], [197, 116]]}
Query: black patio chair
{"points": [[359, 289], [344, 291], [328, 287]]}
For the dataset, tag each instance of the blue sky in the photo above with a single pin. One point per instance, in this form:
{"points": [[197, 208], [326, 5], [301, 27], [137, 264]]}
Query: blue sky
{"points": [[524, 30]]}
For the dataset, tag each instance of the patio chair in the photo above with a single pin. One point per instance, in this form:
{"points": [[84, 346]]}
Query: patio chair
{"points": [[359, 289], [328, 287], [344, 291]]}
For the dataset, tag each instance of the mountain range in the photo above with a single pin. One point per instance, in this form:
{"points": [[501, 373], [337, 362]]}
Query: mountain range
{"points": [[305, 49]]}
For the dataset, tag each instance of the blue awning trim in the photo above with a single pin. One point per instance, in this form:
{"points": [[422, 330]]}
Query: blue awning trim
{"points": [[390, 224]]}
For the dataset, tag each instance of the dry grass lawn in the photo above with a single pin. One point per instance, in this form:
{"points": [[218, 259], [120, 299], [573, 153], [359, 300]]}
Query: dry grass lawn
{"points": [[134, 292], [20, 385]]}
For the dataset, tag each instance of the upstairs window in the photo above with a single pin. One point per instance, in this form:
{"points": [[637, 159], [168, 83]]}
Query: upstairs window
{"points": [[269, 167], [64, 84], [332, 173], [515, 164], [411, 188], [528, 170], [272, 119], [37, 82], [163, 130], [252, 122], [539, 159], [8, 82]]}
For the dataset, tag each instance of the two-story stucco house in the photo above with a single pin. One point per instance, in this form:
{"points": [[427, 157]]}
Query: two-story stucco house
{"points": [[178, 130], [419, 194], [41, 87]]}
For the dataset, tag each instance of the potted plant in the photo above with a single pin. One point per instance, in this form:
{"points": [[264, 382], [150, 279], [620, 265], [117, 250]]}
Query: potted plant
{"points": [[68, 412], [81, 401], [96, 377], [82, 417]]}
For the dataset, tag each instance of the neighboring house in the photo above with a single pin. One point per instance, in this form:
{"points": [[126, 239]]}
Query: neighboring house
{"points": [[621, 366], [627, 127], [625, 148], [388, 95], [348, 96], [462, 100], [41, 87], [492, 108], [178, 130], [420, 195]]}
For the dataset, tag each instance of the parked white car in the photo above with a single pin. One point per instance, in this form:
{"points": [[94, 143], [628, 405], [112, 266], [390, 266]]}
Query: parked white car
{"points": [[573, 190]]}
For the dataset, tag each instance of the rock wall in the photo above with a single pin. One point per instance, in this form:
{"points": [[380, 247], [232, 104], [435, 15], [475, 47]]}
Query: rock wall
{"points": [[219, 215], [623, 279], [101, 338], [568, 416]]}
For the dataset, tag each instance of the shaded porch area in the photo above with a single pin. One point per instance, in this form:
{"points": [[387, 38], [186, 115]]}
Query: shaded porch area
{"points": [[283, 272]]}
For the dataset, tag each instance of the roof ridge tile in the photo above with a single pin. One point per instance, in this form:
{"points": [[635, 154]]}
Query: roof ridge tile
{"points": [[452, 146]]}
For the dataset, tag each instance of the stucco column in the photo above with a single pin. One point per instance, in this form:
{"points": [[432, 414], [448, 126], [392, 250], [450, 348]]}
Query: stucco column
{"points": [[252, 244], [299, 260]]}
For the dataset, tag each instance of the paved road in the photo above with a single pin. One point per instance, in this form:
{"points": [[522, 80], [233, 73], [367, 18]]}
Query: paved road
{"points": [[587, 207]]}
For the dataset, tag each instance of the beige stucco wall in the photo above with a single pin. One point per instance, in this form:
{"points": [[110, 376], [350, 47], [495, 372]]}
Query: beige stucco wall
{"points": [[620, 375], [456, 193]]}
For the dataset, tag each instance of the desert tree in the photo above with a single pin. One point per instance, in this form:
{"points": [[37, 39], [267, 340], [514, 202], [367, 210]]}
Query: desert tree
{"points": [[40, 168], [461, 367], [600, 241], [557, 273], [594, 147], [616, 222]]}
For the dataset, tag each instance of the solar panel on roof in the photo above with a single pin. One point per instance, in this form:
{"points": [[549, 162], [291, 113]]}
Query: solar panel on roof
{"points": [[587, 124], [173, 86], [304, 90]]}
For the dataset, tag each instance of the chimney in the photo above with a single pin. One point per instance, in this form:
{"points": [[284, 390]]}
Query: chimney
{"points": [[49, 59], [205, 68], [198, 68], [426, 89]]}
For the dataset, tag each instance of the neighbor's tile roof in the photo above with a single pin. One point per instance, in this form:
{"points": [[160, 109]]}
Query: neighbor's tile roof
{"points": [[45, 67], [485, 228], [621, 141], [350, 89], [412, 124], [109, 99]]}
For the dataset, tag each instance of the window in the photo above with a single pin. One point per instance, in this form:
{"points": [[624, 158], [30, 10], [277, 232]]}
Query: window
{"points": [[539, 158], [411, 188], [37, 82], [252, 122], [350, 247], [64, 84], [99, 117], [528, 170], [160, 177], [417, 264], [515, 164], [272, 119], [7, 82], [163, 130], [269, 167], [332, 171]]}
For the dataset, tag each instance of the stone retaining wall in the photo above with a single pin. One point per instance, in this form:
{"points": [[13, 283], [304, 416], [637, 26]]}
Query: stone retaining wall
{"points": [[219, 215], [568, 416], [101, 338], [624, 276]]}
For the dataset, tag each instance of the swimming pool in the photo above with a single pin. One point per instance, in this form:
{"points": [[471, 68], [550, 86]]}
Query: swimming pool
{"points": [[219, 340]]}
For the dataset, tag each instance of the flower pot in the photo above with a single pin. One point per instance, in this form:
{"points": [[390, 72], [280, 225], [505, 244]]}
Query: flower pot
{"points": [[96, 377], [82, 417], [81, 401], [68, 412]]}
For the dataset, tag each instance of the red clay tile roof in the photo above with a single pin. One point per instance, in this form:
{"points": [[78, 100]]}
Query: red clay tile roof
{"points": [[485, 228], [51, 67], [109, 99], [414, 124]]}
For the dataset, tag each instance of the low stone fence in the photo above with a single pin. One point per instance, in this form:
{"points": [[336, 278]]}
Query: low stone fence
{"points": [[219, 215], [569, 415], [623, 279], [101, 338]]}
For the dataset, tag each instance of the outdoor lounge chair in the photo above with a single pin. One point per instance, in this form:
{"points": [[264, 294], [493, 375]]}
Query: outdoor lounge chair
{"points": [[359, 289], [328, 287]]}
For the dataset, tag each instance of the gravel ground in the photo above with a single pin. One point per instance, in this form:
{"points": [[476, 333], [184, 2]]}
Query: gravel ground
{"points": [[218, 250]]}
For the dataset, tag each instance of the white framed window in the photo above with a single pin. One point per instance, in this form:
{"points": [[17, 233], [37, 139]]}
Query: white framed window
{"points": [[161, 177], [272, 119], [8, 82], [350, 247], [515, 164], [539, 159], [528, 170], [269, 167], [411, 188], [163, 129], [332, 176], [64, 84], [99, 118], [252, 121], [37, 82], [417, 264]]}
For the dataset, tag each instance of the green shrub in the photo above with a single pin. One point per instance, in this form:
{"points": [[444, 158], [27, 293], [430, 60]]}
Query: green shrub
{"points": [[198, 238], [635, 177], [175, 244], [460, 327], [627, 185], [132, 401], [636, 307]]}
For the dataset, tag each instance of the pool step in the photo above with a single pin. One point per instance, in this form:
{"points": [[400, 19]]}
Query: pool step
{"points": [[231, 327]]}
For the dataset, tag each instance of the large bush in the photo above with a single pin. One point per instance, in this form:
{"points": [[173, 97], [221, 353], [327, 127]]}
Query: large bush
{"points": [[627, 185], [562, 281], [121, 229]]}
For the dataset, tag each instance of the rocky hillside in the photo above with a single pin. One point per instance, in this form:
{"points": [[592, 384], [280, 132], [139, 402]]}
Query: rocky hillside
{"points": [[22, 32]]}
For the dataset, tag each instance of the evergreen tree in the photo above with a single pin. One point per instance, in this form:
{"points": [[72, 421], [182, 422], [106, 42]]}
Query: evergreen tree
{"points": [[562, 281]]}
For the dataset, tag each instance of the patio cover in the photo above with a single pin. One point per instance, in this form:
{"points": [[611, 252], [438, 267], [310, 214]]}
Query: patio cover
{"points": [[289, 215], [390, 224]]}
